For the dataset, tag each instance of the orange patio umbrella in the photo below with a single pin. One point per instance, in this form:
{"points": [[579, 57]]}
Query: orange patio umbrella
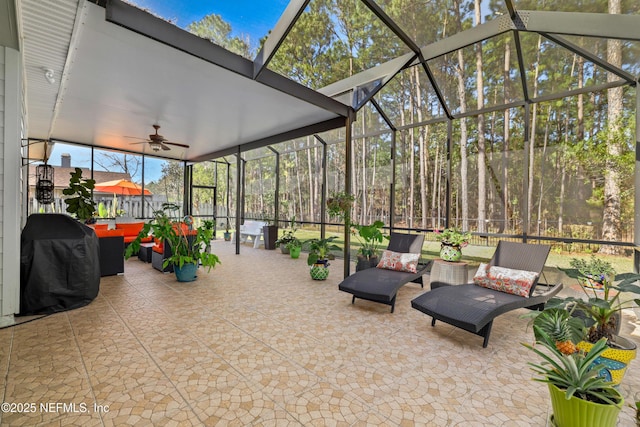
{"points": [[122, 187]]}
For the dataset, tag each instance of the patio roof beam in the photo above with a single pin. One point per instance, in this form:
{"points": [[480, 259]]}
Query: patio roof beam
{"points": [[511, 8], [489, 109], [567, 93], [623, 27], [383, 71], [591, 57], [143, 23], [436, 87], [468, 37], [373, 134], [277, 35], [392, 25], [383, 114], [424, 123], [521, 67], [285, 136]]}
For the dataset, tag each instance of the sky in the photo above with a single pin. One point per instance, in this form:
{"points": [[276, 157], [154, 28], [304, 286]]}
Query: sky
{"points": [[247, 17]]}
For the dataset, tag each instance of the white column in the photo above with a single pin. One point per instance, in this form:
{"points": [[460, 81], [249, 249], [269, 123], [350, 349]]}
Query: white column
{"points": [[10, 176]]}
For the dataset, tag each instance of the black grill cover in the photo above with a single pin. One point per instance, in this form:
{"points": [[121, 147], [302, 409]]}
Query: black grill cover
{"points": [[59, 264]]}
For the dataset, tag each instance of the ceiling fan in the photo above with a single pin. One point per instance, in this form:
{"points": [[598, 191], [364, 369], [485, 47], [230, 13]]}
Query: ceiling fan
{"points": [[158, 142]]}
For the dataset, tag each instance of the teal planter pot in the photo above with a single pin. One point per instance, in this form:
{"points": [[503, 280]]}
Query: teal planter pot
{"points": [[187, 273], [582, 413]]}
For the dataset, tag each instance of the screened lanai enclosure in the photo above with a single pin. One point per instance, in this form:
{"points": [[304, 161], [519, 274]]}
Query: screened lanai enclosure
{"points": [[508, 118]]}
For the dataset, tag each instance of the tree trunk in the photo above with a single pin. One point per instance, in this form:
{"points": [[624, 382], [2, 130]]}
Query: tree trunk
{"points": [[611, 216]]}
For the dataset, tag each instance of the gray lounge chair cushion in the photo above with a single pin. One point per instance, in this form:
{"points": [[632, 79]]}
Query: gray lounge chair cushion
{"points": [[406, 243], [468, 306], [376, 284]]}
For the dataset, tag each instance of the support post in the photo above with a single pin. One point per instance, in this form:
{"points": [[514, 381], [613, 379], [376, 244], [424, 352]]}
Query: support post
{"points": [[239, 202], [187, 190], [392, 186], [636, 177], [228, 195], [276, 208], [447, 186], [323, 189], [525, 169], [347, 189]]}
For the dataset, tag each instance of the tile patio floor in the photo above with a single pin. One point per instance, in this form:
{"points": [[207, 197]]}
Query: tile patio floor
{"points": [[257, 342]]}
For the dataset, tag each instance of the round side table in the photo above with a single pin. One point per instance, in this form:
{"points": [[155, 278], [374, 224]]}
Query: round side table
{"points": [[444, 273]]}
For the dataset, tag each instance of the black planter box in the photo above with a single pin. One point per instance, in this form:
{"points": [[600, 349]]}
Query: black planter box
{"points": [[270, 233]]}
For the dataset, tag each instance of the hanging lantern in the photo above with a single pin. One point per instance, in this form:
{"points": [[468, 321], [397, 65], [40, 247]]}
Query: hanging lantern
{"points": [[44, 184]]}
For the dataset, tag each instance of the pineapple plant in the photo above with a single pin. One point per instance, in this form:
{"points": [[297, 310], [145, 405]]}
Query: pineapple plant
{"points": [[563, 329]]}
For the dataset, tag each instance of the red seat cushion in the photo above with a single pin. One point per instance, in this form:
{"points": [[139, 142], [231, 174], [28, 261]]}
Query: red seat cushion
{"points": [[108, 233], [130, 229], [129, 239]]}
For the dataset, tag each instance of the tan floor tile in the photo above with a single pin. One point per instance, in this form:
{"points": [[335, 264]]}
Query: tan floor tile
{"points": [[270, 349]]}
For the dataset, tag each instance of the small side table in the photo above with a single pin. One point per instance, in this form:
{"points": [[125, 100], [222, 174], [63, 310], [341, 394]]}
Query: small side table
{"points": [[445, 273], [145, 252]]}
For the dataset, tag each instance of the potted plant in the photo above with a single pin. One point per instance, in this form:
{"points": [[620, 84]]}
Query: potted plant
{"points": [[227, 233], [339, 206], [270, 234], [579, 396], [294, 247], [287, 237], [81, 203], [319, 250], [189, 249], [601, 308], [370, 238], [452, 240]]}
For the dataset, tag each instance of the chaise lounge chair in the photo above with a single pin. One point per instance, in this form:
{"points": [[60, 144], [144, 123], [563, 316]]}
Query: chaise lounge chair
{"points": [[472, 307], [382, 285]]}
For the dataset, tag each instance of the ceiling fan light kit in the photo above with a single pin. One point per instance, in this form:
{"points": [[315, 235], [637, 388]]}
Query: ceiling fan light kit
{"points": [[157, 142]]}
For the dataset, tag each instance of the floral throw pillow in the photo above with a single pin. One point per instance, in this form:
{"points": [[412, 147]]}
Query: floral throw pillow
{"points": [[481, 277], [511, 281], [399, 261]]}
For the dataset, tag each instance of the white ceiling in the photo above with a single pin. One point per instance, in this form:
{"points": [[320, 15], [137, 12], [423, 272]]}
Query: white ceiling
{"points": [[117, 83]]}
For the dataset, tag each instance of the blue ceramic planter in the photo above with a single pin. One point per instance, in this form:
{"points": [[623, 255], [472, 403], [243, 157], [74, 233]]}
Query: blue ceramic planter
{"points": [[187, 273]]}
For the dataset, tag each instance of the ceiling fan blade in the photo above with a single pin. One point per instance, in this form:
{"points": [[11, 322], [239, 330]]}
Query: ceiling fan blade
{"points": [[164, 147], [176, 144], [133, 137], [138, 142]]}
